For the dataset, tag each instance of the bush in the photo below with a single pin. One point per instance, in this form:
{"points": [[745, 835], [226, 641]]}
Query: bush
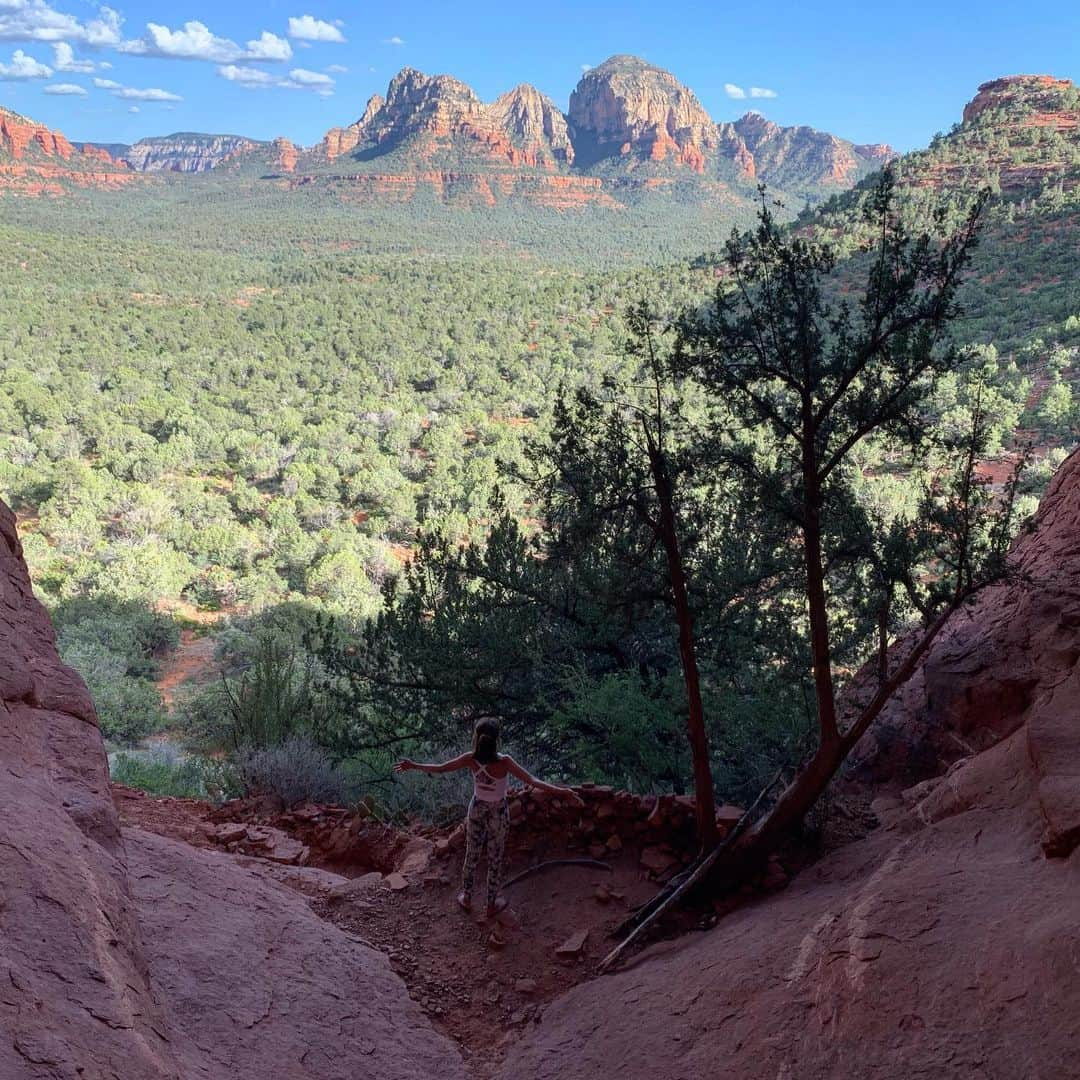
{"points": [[295, 771], [164, 771], [116, 647]]}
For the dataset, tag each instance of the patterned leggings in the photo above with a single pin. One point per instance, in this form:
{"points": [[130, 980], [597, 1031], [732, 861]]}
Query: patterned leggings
{"points": [[488, 821]]}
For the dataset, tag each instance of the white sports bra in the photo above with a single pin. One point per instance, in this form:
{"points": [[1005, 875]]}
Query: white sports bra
{"points": [[488, 788]]}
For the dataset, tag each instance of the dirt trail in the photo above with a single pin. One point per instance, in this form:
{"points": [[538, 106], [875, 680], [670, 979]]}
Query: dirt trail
{"points": [[482, 982], [190, 663]]}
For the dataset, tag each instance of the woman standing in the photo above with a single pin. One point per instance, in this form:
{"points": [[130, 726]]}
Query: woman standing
{"points": [[488, 820]]}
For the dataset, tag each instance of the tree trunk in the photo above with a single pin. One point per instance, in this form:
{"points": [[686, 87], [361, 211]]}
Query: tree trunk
{"points": [[817, 604], [704, 799], [811, 782]]}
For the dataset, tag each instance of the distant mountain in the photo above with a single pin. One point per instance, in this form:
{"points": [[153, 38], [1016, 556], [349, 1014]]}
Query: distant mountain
{"points": [[115, 150], [625, 117], [630, 112], [631, 128], [186, 151], [36, 161], [802, 160]]}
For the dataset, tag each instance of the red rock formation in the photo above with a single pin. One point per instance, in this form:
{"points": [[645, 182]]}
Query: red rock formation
{"points": [[533, 122], [35, 161], [97, 153], [626, 102], [939, 945], [128, 955], [285, 155], [996, 138], [338, 141], [17, 135], [1002, 92]]}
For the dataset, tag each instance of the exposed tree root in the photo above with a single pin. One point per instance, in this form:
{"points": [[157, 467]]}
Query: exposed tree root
{"points": [[530, 870]]}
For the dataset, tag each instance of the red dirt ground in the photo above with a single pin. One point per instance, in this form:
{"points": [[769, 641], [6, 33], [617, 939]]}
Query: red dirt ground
{"points": [[481, 982]]}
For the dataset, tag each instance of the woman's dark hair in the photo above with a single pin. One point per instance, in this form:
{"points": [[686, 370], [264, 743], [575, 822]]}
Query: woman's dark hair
{"points": [[485, 743]]}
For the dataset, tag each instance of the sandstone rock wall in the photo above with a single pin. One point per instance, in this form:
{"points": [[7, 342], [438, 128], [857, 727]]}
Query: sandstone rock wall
{"points": [[124, 955]]}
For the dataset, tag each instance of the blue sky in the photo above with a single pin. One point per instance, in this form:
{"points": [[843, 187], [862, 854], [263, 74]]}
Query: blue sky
{"points": [[279, 67]]}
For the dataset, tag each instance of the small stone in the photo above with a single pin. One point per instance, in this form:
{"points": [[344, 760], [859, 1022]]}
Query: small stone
{"points": [[573, 946], [396, 882], [657, 861], [525, 986], [602, 895], [353, 890], [728, 815], [597, 851], [230, 833], [614, 842]]}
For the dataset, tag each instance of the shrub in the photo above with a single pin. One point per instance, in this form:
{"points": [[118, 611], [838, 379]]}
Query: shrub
{"points": [[164, 771], [295, 771]]}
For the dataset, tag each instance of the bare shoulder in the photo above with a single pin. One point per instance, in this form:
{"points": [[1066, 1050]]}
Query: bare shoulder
{"points": [[513, 767]]}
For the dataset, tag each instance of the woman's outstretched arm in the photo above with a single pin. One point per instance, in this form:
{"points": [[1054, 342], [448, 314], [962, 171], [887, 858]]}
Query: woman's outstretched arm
{"points": [[527, 777], [460, 762]]}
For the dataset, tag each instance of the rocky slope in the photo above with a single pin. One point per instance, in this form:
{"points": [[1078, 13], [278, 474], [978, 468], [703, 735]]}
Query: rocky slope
{"points": [[939, 946], [186, 152], [1018, 134], [127, 955], [36, 161]]}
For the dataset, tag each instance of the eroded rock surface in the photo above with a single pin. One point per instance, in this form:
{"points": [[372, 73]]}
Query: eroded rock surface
{"points": [[133, 956]]}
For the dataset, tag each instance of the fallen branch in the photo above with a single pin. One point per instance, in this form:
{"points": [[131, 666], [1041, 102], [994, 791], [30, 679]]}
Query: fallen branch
{"points": [[666, 899], [528, 871]]}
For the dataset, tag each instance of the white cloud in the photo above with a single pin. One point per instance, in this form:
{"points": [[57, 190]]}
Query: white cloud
{"points": [[586, 67], [246, 76], [268, 47], [195, 41], [37, 20], [64, 59], [105, 65], [134, 109], [107, 84], [733, 91], [310, 78], [152, 93], [762, 92], [337, 69], [395, 40], [308, 28], [24, 67], [65, 88], [252, 78]]}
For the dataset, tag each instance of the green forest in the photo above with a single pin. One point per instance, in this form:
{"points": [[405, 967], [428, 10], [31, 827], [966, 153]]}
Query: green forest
{"points": [[299, 427]]}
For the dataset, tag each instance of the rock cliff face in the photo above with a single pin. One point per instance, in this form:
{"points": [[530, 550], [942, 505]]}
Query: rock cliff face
{"points": [[126, 955], [940, 945], [186, 152], [533, 122], [36, 161], [338, 141], [803, 160], [629, 107]]}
